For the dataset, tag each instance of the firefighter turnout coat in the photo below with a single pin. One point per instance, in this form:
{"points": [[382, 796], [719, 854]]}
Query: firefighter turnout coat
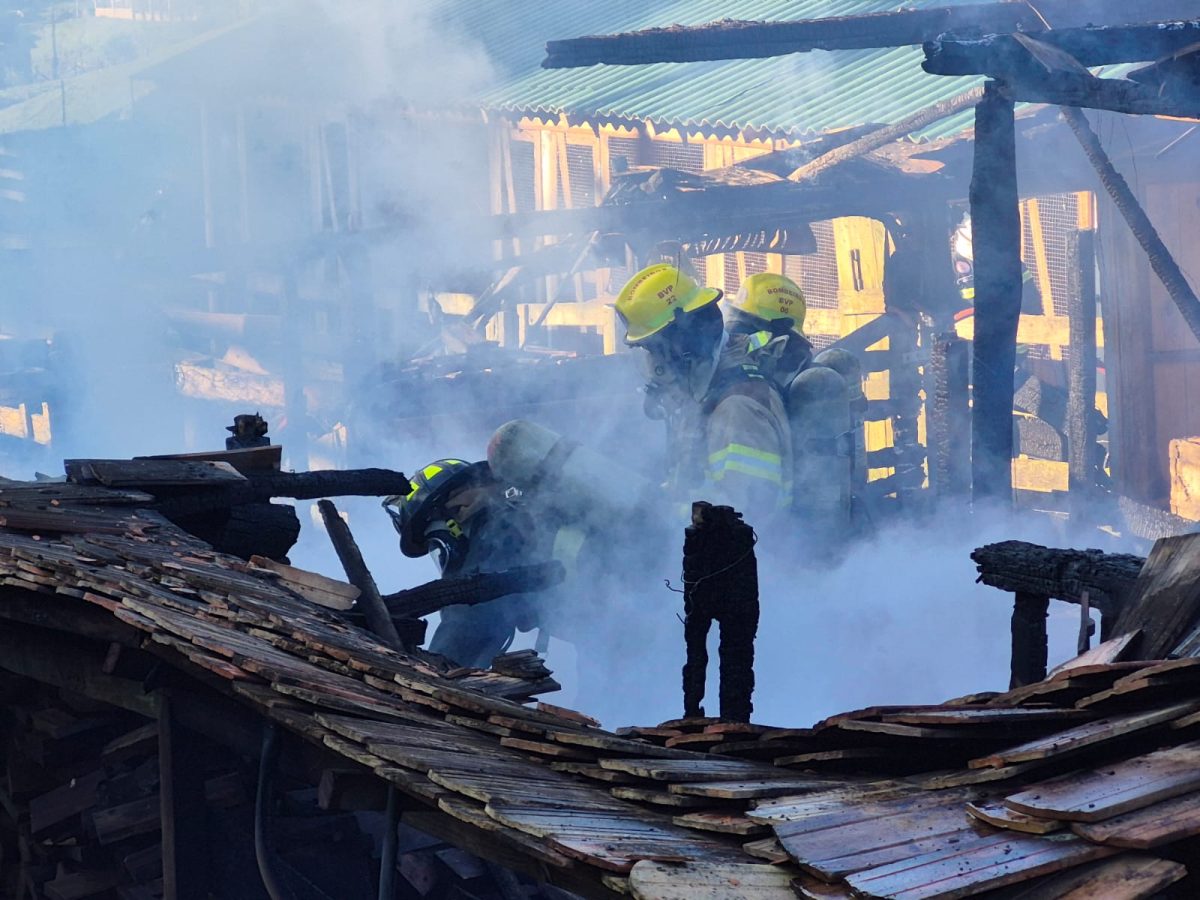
{"points": [[734, 447]]}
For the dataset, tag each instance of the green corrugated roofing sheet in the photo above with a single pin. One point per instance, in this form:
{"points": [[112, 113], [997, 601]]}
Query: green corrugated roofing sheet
{"points": [[788, 95]]}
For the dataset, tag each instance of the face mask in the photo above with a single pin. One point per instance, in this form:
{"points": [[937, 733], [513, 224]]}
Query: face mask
{"points": [[448, 545]]}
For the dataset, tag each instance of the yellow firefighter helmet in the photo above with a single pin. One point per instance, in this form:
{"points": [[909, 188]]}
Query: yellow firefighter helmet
{"points": [[648, 302], [769, 297]]}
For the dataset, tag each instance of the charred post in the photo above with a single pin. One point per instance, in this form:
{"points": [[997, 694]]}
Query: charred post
{"points": [[950, 416], [1081, 376], [185, 861], [470, 590], [1161, 260], [1029, 641], [357, 573], [996, 221], [720, 576]]}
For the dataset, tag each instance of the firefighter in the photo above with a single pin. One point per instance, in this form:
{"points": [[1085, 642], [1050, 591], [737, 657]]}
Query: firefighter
{"points": [[727, 428], [457, 512], [822, 394]]}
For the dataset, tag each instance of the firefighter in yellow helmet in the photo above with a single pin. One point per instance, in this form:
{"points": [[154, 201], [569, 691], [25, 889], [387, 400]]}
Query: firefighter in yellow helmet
{"points": [[822, 393], [727, 429]]}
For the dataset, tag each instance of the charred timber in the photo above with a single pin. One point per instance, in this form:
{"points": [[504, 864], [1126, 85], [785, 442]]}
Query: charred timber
{"points": [[1030, 642], [753, 40], [1161, 260], [994, 53], [473, 589], [1083, 465], [996, 219], [298, 486], [1086, 90], [873, 140], [1031, 569], [357, 573], [721, 210]]}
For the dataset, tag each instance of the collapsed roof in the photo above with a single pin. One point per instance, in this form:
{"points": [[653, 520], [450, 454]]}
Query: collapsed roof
{"points": [[1047, 786]]}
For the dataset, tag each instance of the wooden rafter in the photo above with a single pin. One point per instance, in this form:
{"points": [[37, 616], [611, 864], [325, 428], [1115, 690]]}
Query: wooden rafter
{"points": [[750, 40], [965, 54]]}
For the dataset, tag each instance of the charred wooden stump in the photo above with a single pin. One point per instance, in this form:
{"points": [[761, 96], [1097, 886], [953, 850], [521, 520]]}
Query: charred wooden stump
{"points": [[720, 576], [1036, 574], [1029, 641]]}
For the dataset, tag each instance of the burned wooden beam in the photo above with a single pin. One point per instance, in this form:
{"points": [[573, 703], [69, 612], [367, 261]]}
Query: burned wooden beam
{"points": [[298, 486], [1025, 568], [472, 589], [1036, 70], [996, 223], [879, 137], [1086, 90], [1002, 52], [1161, 260], [950, 416], [182, 811], [754, 40], [357, 573], [1081, 374]]}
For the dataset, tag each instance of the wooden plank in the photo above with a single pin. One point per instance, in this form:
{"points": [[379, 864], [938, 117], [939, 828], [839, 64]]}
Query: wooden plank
{"points": [[1090, 734], [658, 798], [64, 801], [247, 460], [613, 841], [826, 756], [992, 715], [689, 770], [126, 820], [593, 771], [313, 587], [542, 748], [794, 808], [1165, 602], [767, 848], [721, 823], [117, 473], [1161, 823], [834, 842], [1001, 816], [953, 872], [701, 881], [939, 780], [1110, 651], [1114, 789], [750, 790], [534, 788], [569, 714], [1124, 877]]}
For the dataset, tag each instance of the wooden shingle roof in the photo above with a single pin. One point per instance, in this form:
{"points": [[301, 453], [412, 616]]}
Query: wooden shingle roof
{"points": [[1086, 782]]}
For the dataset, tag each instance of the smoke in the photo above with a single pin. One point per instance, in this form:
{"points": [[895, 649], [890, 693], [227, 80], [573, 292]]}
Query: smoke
{"points": [[899, 620], [343, 120]]}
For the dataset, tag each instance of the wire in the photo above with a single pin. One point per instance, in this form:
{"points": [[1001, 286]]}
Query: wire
{"points": [[732, 565]]}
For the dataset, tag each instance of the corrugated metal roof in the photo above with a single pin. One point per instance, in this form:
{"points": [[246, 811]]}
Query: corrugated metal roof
{"points": [[788, 95]]}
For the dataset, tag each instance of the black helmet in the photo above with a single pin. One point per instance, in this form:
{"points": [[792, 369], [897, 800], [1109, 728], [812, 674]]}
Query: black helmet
{"points": [[412, 514]]}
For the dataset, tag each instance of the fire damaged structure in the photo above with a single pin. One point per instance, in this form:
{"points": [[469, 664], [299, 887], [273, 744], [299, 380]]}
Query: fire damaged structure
{"points": [[186, 714], [182, 722]]}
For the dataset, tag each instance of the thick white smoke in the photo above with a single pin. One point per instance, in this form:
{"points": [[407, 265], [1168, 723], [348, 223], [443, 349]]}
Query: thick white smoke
{"points": [[899, 620]]}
